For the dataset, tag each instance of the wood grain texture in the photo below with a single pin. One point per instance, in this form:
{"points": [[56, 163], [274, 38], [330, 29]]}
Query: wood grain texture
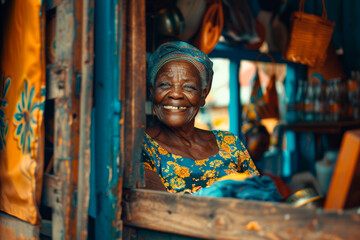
{"points": [[66, 145], [51, 193], [86, 103], [344, 189], [135, 91], [227, 218]]}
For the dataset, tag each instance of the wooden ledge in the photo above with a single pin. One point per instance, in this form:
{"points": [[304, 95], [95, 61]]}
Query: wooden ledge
{"points": [[228, 218]]}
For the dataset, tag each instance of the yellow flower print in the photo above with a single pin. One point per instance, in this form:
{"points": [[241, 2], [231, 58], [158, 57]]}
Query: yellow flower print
{"points": [[244, 156], [149, 166], [172, 164], [251, 164], [229, 139], [216, 163], [177, 183], [211, 181], [208, 174], [166, 184], [230, 171], [182, 172], [201, 162], [224, 154], [195, 188], [177, 157], [162, 151], [147, 148], [232, 165], [225, 147]]}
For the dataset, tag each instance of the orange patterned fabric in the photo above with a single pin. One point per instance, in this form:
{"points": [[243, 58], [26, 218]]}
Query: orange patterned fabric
{"points": [[21, 111], [184, 175]]}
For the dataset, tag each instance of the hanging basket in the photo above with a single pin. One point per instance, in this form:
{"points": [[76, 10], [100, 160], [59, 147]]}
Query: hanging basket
{"points": [[310, 37]]}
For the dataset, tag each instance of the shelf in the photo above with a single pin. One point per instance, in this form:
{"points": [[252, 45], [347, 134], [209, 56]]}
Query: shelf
{"points": [[323, 127], [223, 50]]}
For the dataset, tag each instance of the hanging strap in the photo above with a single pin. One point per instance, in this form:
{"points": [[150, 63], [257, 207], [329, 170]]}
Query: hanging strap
{"points": [[324, 13]]}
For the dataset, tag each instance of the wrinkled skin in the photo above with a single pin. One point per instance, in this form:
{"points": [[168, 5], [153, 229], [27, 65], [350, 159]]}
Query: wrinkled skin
{"points": [[178, 94]]}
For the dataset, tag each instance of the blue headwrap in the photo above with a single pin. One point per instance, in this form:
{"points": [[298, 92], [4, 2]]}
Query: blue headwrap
{"points": [[180, 51]]}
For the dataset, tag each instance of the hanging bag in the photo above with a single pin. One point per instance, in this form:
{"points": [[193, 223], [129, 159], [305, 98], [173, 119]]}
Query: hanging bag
{"points": [[211, 28], [310, 37]]}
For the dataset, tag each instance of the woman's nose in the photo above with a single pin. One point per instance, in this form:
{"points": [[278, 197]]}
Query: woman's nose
{"points": [[176, 92]]}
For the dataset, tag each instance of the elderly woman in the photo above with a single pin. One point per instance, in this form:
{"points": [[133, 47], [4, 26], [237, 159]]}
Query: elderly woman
{"points": [[178, 157]]}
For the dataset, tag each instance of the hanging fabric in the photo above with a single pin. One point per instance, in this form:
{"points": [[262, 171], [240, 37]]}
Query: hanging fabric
{"points": [[21, 112], [262, 105]]}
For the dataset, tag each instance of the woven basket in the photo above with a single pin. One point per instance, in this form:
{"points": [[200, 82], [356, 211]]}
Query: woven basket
{"points": [[310, 37]]}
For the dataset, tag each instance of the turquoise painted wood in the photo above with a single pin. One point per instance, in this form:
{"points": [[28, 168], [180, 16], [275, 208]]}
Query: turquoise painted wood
{"points": [[235, 108], [107, 117]]}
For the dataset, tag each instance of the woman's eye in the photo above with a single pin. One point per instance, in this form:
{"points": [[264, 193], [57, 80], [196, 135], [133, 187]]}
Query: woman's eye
{"points": [[163, 84], [190, 87]]}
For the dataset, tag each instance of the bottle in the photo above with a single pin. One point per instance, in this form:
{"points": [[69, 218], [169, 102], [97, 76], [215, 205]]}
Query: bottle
{"points": [[329, 96], [351, 95], [319, 102], [333, 96], [309, 103], [299, 100]]}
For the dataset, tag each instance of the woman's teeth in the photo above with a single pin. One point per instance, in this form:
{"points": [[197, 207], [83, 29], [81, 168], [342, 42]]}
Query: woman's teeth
{"points": [[173, 107]]}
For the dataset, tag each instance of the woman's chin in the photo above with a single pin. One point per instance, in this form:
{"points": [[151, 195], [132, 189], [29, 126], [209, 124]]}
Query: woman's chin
{"points": [[175, 123]]}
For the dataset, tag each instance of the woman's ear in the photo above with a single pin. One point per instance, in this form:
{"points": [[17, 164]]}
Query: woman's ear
{"points": [[205, 93], [151, 94]]}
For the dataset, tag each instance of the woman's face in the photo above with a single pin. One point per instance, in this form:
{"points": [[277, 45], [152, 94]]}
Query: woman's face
{"points": [[178, 93]]}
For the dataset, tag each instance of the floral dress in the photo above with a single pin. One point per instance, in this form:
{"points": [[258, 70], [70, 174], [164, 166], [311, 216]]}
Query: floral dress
{"points": [[181, 174]]}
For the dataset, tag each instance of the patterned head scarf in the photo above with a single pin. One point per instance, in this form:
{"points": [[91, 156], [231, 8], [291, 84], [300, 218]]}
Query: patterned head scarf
{"points": [[178, 50]]}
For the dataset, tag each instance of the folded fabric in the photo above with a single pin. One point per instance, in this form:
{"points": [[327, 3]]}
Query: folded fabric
{"points": [[251, 188]]}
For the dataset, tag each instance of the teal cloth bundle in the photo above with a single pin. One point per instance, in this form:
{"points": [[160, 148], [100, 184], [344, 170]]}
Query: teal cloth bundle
{"points": [[261, 188]]}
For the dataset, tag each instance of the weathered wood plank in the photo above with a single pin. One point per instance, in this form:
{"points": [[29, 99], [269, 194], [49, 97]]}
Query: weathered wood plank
{"points": [[344, 190], [51, 194], [135, 91], [46, 228], [225, 218], [14, 228], [131, 233], [68, 55], [109, 64], [86, 103]]}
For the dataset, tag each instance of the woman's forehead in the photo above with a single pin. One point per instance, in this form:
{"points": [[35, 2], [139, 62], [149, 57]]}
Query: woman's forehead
{"points": [[182, 66]]}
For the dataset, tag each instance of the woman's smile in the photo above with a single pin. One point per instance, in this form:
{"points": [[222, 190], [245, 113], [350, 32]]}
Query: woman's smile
{"points": [[174, 107]]}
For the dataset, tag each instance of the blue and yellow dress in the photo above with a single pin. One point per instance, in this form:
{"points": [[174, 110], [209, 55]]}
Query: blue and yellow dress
{"points": [[181, 174]]}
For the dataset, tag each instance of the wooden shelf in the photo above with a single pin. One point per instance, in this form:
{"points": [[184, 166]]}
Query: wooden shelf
{"points": [[323, 127]]}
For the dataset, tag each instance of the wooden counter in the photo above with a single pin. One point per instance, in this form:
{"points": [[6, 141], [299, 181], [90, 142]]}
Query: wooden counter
{"points": [[228, 218]]}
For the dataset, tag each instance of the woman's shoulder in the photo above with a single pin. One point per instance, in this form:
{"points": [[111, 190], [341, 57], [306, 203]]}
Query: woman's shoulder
{"points": [[222, 133], [148, 139]]}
